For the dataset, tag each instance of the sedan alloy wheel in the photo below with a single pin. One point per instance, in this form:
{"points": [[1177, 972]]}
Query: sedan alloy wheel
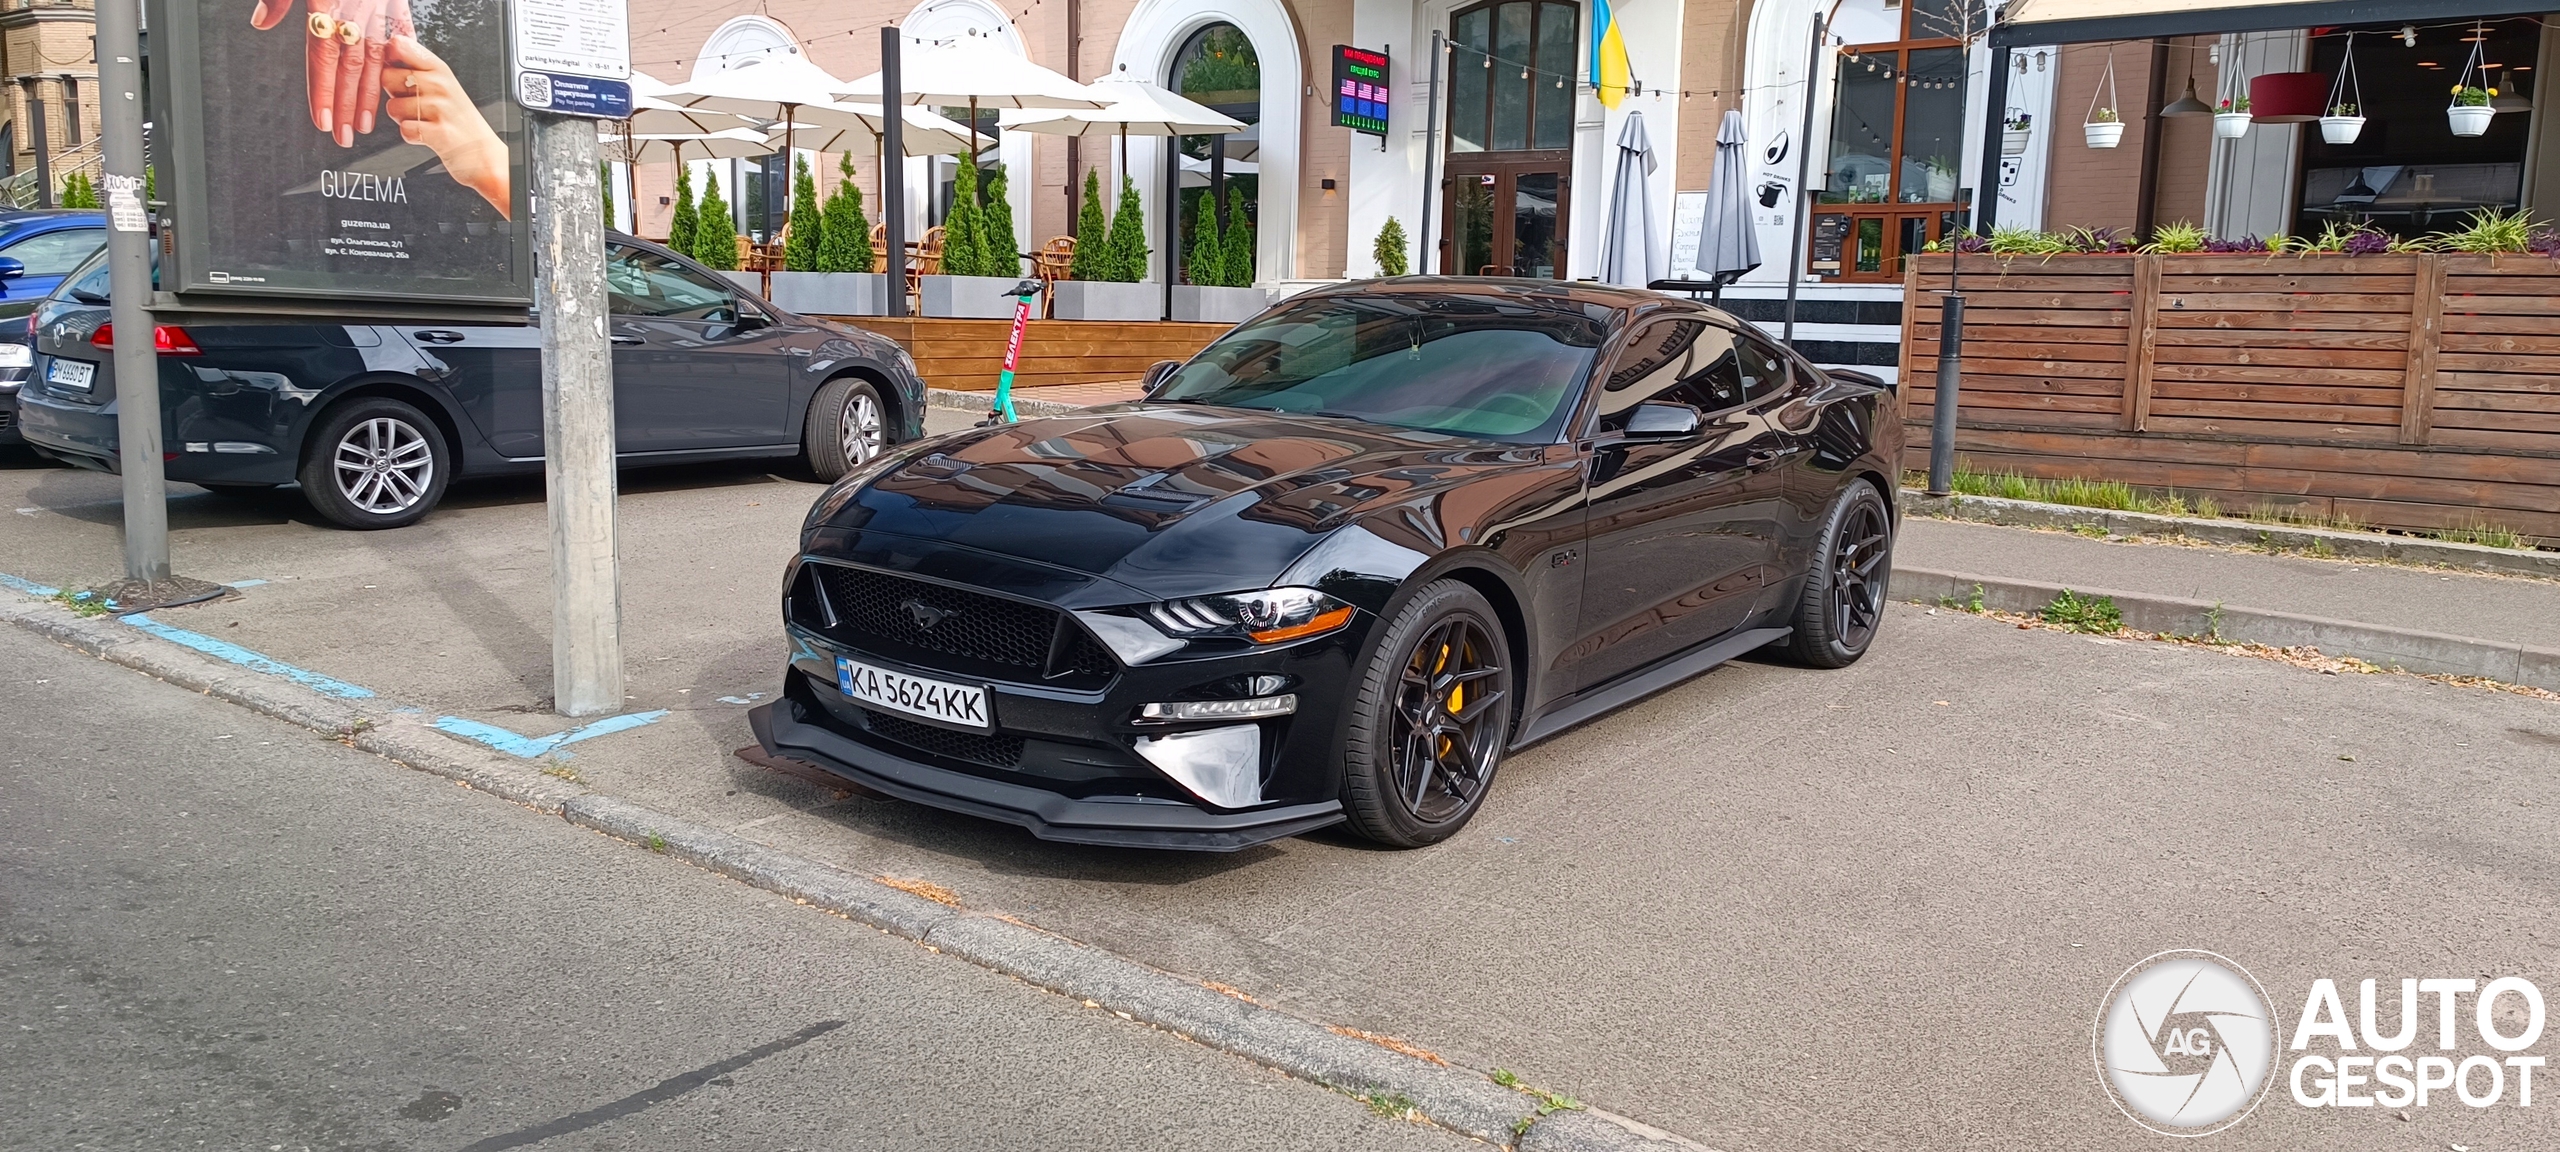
{"points": [[384, 466]]}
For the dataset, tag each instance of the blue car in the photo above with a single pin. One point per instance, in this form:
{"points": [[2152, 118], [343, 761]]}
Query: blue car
{"points": [[372, 420], [37, 248]]}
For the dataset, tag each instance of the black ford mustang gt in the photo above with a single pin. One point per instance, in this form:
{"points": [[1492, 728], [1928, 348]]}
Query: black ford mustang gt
{"points": [[1335, 565]]}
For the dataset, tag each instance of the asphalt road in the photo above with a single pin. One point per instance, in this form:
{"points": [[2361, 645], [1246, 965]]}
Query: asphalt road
{"points": [[1770, 909], [225, 932]]}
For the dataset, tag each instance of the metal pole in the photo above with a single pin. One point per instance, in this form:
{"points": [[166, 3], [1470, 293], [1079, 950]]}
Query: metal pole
{"points": [[1430, 151], [1986, 199], [893, 172], [577, 417], [44, 152], [1942, 413], [1804, 171], [137, 360], [1172, 199]]}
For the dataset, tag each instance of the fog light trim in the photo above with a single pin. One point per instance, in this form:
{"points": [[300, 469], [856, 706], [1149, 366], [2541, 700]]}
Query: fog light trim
{"points": [[1258, 708], [1220, 765]]}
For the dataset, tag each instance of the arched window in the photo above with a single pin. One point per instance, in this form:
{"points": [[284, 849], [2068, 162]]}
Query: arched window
{"points": [[1218, 67], [1511, 79]]}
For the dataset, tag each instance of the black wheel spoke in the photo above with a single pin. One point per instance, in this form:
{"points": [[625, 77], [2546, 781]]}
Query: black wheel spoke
{"points": [[1857, 562], [1451, 712]]}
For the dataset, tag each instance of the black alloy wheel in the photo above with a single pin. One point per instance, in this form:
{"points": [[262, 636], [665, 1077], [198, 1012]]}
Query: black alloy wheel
{"points": [[1431, 720], [1843, 601]]}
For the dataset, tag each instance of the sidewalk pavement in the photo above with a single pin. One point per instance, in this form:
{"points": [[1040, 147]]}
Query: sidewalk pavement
{"points": [[2504, 609]]}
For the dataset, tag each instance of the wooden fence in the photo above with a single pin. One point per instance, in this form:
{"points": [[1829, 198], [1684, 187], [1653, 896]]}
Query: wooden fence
{"points": [[969, 354], [2404, 391]]}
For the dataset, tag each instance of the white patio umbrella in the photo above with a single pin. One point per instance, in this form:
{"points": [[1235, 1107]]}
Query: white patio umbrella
{"points": [[651, 116], [637, 149], [1195, 171], [1728, 242], [765, 87], [1627, 251], [928, 133], [971, 70], [1133, 106]]}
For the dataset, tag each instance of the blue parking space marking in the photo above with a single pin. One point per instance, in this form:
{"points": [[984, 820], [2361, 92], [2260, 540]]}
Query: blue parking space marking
{"points": [[29, 587], [529, 747], [232, 653]]}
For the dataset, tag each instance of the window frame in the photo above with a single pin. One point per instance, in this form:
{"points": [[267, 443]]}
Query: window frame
{"points": [[1570, 93], [1934, 213]]}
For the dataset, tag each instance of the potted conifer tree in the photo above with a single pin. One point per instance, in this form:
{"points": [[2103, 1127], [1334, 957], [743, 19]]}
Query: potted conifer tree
{"points": [[972, 285], [1221, 288], [838, 280]]}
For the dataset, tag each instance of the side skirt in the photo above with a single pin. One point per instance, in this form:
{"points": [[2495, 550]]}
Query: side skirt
{"points": [[1644, 682]]}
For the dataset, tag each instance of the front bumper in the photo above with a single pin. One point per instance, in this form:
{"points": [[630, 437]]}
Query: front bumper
{"points": [[785, 728]]}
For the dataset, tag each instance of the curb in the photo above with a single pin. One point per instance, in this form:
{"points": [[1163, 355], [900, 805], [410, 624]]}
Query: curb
{"points": [[1459, 1099], [2326, 542], [977, 402], [2405, 649]]}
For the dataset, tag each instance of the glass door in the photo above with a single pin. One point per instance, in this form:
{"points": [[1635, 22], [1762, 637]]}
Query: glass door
{"points": [[1509, 221]]}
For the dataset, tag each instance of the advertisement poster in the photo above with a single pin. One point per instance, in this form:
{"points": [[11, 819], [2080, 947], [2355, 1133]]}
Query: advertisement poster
{"points": [[349, 148]]}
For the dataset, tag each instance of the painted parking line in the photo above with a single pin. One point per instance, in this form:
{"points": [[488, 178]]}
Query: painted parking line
{"points": [[30, 587], [529, 747], [229, 652]]}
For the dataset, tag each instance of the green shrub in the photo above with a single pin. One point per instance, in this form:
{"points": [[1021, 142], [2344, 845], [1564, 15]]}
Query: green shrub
{"points": [[715, 232], [964, 253], [1389, 249], [2182, 236], [1238, 237], [808, 221], [2490, 230], [1208, 264], [845, 243], [680, 230], [1093, 233], [1128, 242], [1000, 247]]}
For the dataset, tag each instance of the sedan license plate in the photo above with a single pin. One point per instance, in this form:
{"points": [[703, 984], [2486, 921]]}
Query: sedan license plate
{"points": [[72, 373], [959, 705]]}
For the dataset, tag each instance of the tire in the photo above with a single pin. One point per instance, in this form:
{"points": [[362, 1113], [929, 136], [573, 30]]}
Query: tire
{"points": [[848, 425], [1842, 604], [1414, 771], [374, 462]]}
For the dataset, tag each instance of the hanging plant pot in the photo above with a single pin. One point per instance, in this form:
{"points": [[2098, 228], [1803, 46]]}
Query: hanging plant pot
{"points": [[2104, 133], [2013, 141], [2469, 119], [2230, 125], [2341, 129]]}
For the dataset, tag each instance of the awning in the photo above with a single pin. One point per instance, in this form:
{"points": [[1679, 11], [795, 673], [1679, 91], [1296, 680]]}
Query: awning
{"points": [[2025, 22]]}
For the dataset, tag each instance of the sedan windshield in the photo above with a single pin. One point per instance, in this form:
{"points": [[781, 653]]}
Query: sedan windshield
{"points": [[1498, 369]]}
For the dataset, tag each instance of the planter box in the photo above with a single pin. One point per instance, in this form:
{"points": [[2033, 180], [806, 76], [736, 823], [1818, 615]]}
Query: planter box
{"points": [[966, 297], [751, 283], [1106, 300], [2380, 388], [1219, 305], [832, 293]]}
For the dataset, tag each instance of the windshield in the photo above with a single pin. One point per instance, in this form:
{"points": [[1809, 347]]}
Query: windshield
{"points": [[1482, 366]]}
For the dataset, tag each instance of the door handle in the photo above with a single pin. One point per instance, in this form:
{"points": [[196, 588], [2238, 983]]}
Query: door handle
{"points": [[622, 339], [1763, 457], [439, 336]]}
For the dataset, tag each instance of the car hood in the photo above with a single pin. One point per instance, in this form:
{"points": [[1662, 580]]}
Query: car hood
{"points": [[1170, 500]]}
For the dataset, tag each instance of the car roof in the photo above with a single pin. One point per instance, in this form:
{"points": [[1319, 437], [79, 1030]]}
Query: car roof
{"points": [[12, 218]]}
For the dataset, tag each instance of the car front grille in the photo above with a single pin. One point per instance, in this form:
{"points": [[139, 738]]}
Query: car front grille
{"points": [[951, 629], [992, 751]]}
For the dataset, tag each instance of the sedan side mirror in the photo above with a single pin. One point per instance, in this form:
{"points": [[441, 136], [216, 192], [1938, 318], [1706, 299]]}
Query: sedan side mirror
{"points": [[11, 267], [1662, 420], [1160, 372]]}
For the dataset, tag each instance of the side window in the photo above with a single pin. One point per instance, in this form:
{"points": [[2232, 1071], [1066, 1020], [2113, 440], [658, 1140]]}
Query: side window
{"points": [[1650, 365], [639, 283], [94, 285], [1765, 370], [56, 253]]}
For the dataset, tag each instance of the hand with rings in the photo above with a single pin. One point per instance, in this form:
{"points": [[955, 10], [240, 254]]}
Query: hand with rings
{"points": [[343, 50], [432, 109]]}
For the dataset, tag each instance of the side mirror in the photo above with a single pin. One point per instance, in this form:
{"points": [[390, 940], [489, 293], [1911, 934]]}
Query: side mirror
{"points": [[1158, 373], [11, 267], [1843, 383], [1662, 420]]}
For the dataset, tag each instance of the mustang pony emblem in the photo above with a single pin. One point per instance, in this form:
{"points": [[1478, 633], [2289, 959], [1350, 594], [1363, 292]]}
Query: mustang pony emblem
{"points": [[925, 615]]}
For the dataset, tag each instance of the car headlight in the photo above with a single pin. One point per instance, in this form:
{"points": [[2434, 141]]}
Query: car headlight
{"points": [[1270, 616], [17, 356]]}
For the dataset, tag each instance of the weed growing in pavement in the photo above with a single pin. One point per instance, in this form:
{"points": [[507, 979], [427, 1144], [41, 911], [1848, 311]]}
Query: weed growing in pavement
{"points": [[2091, 531], [1548, 1102], [1392, 1105], [1971, 604], [657, 843], [559, 771], [2097, 615], [2484, 534], [81, 603]]}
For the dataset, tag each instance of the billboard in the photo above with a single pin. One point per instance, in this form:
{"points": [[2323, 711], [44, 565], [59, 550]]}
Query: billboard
{"points": [[1360, 89], [348, 150]]}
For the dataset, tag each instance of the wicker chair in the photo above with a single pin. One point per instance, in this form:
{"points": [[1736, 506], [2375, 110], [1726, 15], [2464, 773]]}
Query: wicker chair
{"points": [[925, 257]]}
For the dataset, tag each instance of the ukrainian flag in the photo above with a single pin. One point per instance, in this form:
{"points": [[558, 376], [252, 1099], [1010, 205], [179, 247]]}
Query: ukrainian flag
{"points": [[1610, 74]]}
